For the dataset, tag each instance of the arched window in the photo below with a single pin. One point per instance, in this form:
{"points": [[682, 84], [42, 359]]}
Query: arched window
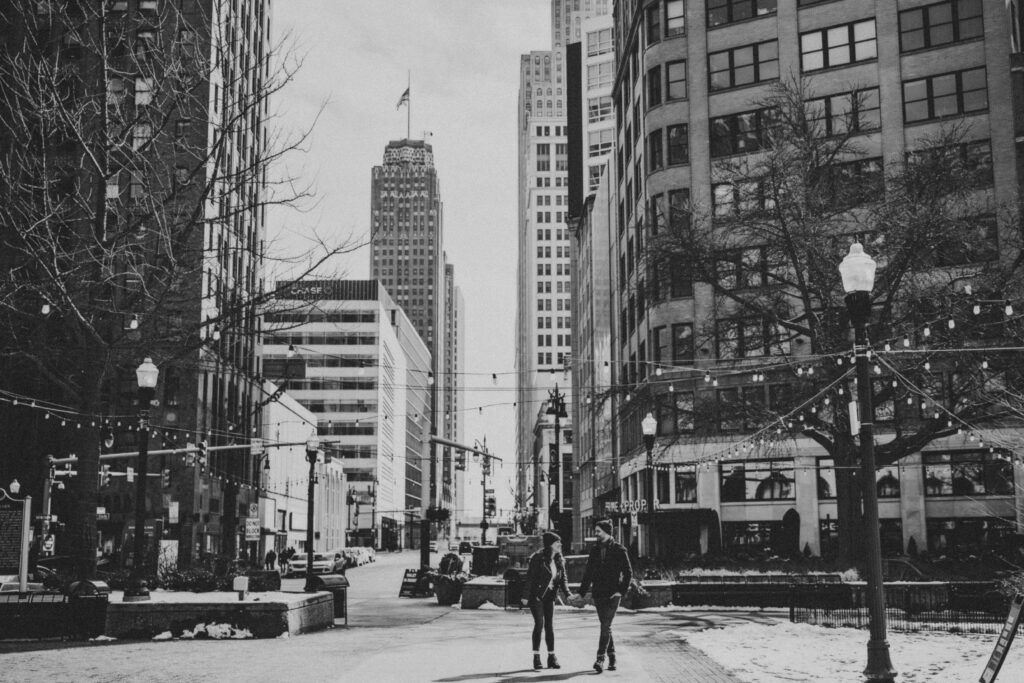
{"points": [[774, 487], [888, 486]]}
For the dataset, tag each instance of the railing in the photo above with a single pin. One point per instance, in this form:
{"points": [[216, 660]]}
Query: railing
{"points": [[966, 607]]}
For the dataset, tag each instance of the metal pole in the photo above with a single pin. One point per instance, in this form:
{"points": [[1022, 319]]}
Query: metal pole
{"points": [[483, 503], [26, 534], [137, 589], [650, 494], [310, 490], [879, 668]]}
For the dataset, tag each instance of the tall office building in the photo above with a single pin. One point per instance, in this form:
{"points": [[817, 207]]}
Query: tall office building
{"points": [[175, 262], [346, 352], [407, 257], [690, 78], [544, 315], [454, 389]]}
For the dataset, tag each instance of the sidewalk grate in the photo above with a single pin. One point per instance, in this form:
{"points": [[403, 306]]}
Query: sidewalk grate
{"points": [[667, 658]]}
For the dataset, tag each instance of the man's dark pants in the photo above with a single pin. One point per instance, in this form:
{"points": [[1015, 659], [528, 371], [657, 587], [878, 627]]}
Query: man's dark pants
{"points": [[606, 608]]}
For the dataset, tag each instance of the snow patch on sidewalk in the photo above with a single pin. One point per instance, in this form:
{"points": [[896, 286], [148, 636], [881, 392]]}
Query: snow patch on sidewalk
{"points": [[757, 653], [217, 632]]}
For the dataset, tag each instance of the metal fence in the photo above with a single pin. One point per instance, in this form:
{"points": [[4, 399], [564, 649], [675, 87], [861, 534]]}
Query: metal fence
{"points": [[975, 607]]}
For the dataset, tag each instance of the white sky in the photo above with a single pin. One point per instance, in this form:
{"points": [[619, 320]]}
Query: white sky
{"points": [[464, 59]]}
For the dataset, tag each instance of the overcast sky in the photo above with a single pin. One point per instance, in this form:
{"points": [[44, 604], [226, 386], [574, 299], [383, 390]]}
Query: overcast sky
{"points": [[464, 61]]}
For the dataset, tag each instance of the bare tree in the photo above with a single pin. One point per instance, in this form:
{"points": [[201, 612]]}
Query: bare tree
{"points": [[794, 187], [136, 168]]}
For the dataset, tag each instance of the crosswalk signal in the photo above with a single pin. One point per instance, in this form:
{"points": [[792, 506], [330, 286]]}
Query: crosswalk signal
{"points": [[165, 477]]}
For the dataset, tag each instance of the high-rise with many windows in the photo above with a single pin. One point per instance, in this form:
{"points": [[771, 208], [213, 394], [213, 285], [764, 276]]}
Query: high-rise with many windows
{"points": [[692, 81], [544, 315]]}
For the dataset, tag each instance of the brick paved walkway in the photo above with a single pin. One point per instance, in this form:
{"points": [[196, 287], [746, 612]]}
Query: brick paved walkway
{"points": [[667, 658]]}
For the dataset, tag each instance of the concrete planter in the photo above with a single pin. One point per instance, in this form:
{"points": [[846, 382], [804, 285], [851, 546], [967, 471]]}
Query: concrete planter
{"points": [[270, 619]]}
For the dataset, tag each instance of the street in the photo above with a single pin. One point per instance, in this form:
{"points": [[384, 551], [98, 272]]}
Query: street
{"points": [[393, 639]]}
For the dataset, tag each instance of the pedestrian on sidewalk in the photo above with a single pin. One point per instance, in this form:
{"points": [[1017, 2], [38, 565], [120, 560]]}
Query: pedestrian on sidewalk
{"points": [[607, 576], [270, 560], [545, 579]]}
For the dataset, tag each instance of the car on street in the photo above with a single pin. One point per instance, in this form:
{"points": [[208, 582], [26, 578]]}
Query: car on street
{"points": [[322, 563], [465, 548], [433, 546]]}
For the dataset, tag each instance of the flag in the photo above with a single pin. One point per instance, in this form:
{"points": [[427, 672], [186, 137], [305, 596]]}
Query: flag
{"points": [[404, 99]]}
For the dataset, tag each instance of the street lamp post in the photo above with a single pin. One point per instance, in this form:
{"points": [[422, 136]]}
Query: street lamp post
{"points": [[312, 449], [649, 427], [858, 273], [136, 590]]}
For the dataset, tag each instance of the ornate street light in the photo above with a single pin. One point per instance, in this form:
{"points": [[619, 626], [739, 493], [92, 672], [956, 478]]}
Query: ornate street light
{"points": [[649, 427], [137, 590], [858, 273], [312, 451]]}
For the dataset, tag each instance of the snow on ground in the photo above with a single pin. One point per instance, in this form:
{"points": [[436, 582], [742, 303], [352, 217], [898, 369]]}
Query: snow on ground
{"points": [[802, 652]]}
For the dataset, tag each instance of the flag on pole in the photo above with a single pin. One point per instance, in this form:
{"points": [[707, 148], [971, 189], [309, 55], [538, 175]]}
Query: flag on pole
{"points": [[404, 99]]}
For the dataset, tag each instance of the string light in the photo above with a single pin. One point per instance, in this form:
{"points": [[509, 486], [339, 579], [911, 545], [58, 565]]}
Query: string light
{"points": [[707, 376], [906, 341], [45, 310], [951, 324], [1009, 308], [888, 346], [976, 309], [134, 323]]}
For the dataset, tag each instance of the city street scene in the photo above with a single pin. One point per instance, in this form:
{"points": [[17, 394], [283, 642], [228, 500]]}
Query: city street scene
{"points": [[512, 340]]}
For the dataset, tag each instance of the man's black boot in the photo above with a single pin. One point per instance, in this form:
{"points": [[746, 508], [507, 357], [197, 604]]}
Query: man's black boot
{"points": [[537, 663], [611, 661], [599, 664], [553, 661]]}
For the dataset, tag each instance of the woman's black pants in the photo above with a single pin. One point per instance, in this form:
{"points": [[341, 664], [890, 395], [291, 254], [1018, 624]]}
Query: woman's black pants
{"points": [[543, 610]]}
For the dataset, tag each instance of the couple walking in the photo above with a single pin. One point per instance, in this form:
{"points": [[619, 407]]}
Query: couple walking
{"points": [[607, 576]]}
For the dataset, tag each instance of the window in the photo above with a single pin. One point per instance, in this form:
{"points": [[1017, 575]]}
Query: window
{"points": [[599, 109], [686, 483], [115, 91], [675, 18], [654, 86], [732, 199], [757, 480], [940, 24], [969, 535], [142, 133], [675, 80], [149, 5], [682, 343], [744, 338], [599, 42], [655, 151], [659, 344], [143, 91], [968, 473], [740, 133], [936, 97], [145, 44], [838, 45], [851, 183], [826, 478], [678, 144], [182, 176], [600, 75], [853, 112], [744, 65], [600, 142], [727, 11], [653, 23]]}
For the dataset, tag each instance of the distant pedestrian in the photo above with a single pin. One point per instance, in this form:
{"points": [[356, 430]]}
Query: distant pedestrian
{"points": [[545, 579], [270, 560], [609, 573]]}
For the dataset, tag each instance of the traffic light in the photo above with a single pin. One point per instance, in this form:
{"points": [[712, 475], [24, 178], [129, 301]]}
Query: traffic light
{"points": [[553, 462], [105, 475], [165, 477], [201, 456], [491, 507], [460, 461]]}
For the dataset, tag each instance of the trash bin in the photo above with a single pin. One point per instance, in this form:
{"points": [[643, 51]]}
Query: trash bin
{"points": [[337, 586], [515, 585], [88, 602], [485, 560]]}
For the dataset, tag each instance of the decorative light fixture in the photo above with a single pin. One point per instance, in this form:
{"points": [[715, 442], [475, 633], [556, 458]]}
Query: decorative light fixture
{"points": [[291, 351], [133, 324], [45, 310]]}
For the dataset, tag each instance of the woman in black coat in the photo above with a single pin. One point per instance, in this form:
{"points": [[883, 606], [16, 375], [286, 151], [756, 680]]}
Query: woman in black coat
{"points": [[544, 580]]}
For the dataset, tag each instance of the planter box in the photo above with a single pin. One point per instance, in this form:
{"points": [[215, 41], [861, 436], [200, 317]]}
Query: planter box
{"points": [[483, 589], [270, 619]]}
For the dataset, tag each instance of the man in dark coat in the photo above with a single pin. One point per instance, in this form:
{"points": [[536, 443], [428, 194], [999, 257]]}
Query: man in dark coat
{"points": [[607, 576]]}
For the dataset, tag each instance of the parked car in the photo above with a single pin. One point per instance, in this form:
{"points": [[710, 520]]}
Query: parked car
{"points": [[322, 563], [465, 548]]}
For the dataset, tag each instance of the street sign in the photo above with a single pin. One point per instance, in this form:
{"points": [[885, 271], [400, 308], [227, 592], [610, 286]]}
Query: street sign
{"points": [[254, 510], [488, 491], [252, 528]]}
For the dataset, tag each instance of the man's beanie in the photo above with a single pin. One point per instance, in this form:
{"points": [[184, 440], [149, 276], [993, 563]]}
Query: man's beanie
{"points": [[604, 525], [550, 538]]}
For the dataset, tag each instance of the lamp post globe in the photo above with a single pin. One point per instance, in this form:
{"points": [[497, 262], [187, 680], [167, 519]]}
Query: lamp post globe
{"points": [[147, 374], [14, 486], [857, 271]]}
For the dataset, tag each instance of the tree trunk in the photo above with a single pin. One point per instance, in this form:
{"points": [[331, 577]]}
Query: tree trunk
{"points": [[849, 509]]}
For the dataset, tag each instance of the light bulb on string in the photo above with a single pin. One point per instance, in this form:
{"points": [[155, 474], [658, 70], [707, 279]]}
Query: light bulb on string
{"points": [[839, 360], [659, 372], [895, 384], [927, 331], [927, 365], [968, 290], [494, 378], [1009, 308], [976, 309], [984, 363], [951, 324], [888, 346], [707, 376], [714, 382], [810, 370], [841, 391], [671, 388], [800, 370], [910, 400], [878, 370], [45, 310], [906, 341], [827, 400]]}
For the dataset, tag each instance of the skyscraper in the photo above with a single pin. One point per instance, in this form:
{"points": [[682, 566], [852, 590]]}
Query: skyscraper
{"points": [[407, 257], [544, 315]]}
